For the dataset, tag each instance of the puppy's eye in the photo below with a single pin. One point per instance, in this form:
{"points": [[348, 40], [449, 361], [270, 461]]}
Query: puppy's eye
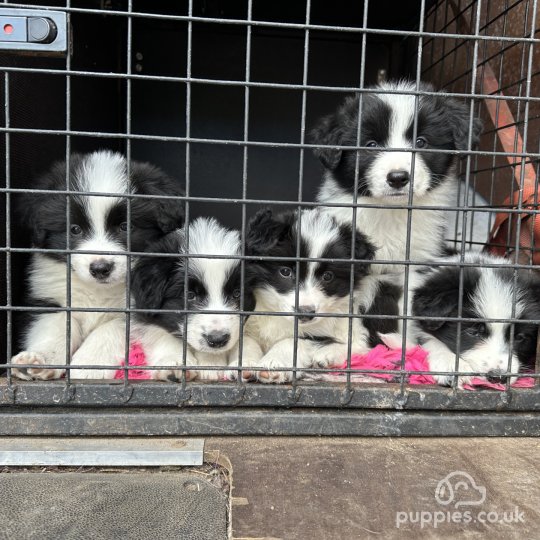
{"points": [[421, 142], [477, 330], [285, 271], [236, 293], [75, 230], [328, 276], [191, 295], [519, 337], [372, 144], [123, 226]]}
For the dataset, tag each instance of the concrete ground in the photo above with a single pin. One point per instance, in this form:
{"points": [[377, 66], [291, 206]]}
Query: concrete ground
{"points": [[344, 488]]}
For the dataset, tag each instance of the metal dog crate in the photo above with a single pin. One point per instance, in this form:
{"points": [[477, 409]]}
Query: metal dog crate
{"points": [[221, 94]]}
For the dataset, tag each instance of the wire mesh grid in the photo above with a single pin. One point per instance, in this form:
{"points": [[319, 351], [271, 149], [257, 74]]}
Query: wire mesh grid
{"points": [[482, 53]]}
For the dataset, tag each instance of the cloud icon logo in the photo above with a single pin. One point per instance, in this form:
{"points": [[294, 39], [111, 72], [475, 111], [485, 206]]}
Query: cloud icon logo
{"points": [[460, 487]]}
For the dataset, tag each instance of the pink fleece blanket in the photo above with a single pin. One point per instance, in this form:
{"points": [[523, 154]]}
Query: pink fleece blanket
{"points": [[136, 358], [379, 358]]}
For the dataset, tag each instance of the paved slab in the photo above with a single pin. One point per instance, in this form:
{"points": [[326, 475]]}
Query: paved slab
{"points": [[345, 488], [115, 505]]}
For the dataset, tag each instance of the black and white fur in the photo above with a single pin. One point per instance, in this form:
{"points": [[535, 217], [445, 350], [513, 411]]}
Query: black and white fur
{"points": [[98, 280], [213, 285], [488, 293], [323, 287], [386, 177]]}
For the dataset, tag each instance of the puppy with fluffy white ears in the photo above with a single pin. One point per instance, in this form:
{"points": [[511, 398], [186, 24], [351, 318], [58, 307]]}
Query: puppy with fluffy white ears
{"points": [[384, 176], [323, 288], [98, 224], [211, 330], [488, 295]]}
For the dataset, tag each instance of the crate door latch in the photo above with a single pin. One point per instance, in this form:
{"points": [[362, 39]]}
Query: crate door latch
{"points": [[33, 31]]}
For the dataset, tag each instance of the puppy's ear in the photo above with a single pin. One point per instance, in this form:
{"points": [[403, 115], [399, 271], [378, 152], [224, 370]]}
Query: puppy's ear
{"points": [[170, 215], [167, 214], [28, 209], [330, 131], [363, 248], [458, 117], [149, 282], [264, 232], [532, 288], [151, 275], [432, 301]]}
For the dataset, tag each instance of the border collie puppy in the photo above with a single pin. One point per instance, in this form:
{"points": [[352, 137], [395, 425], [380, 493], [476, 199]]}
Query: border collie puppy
{"points": [[98, 280], [387, 177], [212, 285], [323, 287], [488, 293]]}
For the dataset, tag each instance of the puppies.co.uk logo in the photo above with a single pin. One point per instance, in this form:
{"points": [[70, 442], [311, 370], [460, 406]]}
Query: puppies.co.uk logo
{"points": [[454, 485], [458, 489]]}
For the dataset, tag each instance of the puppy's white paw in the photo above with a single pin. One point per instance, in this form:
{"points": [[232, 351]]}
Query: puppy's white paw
{"points": [[38, 373], [332, 355], [274, 359], [247, 374], [447, 380]]}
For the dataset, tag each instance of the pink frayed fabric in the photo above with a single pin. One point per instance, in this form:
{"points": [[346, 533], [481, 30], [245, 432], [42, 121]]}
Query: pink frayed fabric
{"points": [[416, 359], [383, 358], [136, 358]]}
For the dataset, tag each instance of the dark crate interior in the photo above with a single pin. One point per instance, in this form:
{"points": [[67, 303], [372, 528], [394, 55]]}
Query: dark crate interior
{"points": [[158, 108]]}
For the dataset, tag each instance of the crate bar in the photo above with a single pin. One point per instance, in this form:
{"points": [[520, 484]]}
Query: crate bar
{"points": [[129, 53], [465, 214], [300, 197], [253, 84], [245, 161], [68, 210], [9, 292], [187, 170], [271, 24], [386, 396]]}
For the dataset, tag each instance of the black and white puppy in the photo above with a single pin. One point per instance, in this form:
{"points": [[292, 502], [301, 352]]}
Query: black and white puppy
{"points": [[98, 280], [213, 285], [323, 288], [387, 177], [488, 293]]}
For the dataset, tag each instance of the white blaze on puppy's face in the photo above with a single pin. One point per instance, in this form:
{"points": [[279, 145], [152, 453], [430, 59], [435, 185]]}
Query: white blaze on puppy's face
{"points": [[218, 282], [493, 299], [323, 286], [101, 172], [402, 112]]}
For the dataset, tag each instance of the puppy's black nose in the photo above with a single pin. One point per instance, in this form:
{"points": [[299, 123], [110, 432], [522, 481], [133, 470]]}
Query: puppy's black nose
{"points": [[216, 340], [397, 179], [101, 268], [308, 313], [495, 376]]}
